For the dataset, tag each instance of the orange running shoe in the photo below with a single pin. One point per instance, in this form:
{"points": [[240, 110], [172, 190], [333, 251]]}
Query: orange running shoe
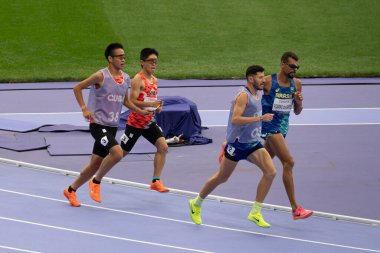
{"points": [[301, 213], [72, 197], [222, 152], [158, 186], [95, 191]]}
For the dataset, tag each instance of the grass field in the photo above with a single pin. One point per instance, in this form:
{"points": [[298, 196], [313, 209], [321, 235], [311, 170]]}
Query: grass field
{"points": [[53, 40]]}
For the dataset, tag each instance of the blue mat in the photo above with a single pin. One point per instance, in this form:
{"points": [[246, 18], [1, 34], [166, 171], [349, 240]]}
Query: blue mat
{"points": [[79, 143]]}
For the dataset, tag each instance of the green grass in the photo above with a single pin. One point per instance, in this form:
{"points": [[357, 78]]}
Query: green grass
{"points": [[52, 40]]}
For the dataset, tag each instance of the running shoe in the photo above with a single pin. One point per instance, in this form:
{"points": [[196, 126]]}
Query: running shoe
{"points": [[72, 197], [222, 152], [95, 191], [258, 219], [158, 186], [195, 212], [301, 213]]}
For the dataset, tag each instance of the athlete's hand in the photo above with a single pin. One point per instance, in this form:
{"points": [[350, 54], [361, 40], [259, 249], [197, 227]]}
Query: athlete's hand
{"points": [[267, 117], [159, 108], [146, 112], [157, 103], [298, 96], [87, 114]]}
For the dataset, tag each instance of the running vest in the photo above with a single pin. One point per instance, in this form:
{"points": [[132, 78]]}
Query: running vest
{"points": [[251, 132], [279, 101], [149, 94], [106, 102]]}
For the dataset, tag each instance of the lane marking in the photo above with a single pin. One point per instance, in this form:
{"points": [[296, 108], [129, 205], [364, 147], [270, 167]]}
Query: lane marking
{"points": [[17, 249], [101, 235], [191, 223]]}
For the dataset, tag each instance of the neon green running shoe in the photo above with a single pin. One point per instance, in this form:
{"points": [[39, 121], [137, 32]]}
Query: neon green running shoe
{"points": [[258, 219], [195, 212]]}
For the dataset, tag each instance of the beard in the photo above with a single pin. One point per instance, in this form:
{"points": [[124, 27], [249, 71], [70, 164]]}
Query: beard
{"points": [[291, 75]]}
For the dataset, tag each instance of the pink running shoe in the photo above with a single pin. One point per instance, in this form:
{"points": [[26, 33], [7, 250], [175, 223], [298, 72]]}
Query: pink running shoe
{"points": [[222, 152], [301, 213]]}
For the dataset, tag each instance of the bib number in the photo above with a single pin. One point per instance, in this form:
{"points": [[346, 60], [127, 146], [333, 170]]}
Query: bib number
{"points": [[113, 117]]}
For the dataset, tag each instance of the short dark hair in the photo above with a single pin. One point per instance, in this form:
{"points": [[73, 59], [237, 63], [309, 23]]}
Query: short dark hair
{"points": [[145, 52], [110, 48], [287, 55], [252, 70]]}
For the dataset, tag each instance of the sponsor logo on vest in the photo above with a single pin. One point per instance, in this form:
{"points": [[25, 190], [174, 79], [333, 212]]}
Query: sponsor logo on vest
{"points": [[280, 95]]}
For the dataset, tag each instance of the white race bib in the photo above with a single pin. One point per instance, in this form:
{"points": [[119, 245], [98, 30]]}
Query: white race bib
{"points": [[149, 99], [282, 105]]}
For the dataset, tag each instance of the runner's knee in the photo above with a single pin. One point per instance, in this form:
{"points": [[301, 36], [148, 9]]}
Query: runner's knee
{"points": [[270, 174], [162, 148], [288, 163], [116, 153]]}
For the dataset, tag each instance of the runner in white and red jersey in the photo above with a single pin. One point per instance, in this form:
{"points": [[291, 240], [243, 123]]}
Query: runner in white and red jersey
{"points": [[144, 95]]}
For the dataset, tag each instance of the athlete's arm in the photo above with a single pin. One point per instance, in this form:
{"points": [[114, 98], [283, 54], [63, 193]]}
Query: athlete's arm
{"points": [[131, 106], [240, 104], [298, 97], [137, 85], [95, 79]]}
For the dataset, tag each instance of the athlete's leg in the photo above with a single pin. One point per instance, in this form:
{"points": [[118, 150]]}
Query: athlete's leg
{"points": [[263, 160], [226, 168], [160, 156], [269, 149], [88, 171], [114, 156], [277, 144]]}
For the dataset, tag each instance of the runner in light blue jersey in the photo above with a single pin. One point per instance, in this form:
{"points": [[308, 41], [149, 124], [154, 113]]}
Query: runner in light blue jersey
{"points": [[243, 143], [282, 93], [108, 93]]}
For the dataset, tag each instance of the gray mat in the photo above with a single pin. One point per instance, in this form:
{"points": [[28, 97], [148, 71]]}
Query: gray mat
{"points": [[18, 125], [79, 143], [22, 142], [63, 128]]}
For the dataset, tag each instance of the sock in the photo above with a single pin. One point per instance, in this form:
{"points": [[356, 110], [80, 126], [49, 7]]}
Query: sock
{"points": [[71, 189], [155, 179], [95, 181], [256, 208], [198, 201]]}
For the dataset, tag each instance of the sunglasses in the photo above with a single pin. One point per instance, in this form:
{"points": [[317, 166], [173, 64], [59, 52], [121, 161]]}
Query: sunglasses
{"points": [[152, 61], [293, 66], [119, 56]]}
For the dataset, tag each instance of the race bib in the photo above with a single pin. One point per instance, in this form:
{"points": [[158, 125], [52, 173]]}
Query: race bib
{"points": [[149, 99], [282, 105]]}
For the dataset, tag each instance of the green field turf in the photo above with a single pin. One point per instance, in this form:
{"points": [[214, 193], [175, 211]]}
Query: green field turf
{"points": [[54, 40]]}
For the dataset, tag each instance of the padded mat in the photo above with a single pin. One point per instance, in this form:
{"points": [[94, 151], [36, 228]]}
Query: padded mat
{"points": [[80, 143], [22, 142]]}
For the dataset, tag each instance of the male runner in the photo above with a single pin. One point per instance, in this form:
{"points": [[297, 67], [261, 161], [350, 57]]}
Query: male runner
{"points": [[144, 92], [282, 92], [109, 91], [243, 142]]}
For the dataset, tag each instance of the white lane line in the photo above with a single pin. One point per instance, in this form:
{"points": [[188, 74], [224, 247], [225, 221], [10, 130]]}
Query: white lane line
{"points": [[313, 124], [310, 117], [17, 249], [40, 113], [312, 109], [101, 235], [204, 225]]}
